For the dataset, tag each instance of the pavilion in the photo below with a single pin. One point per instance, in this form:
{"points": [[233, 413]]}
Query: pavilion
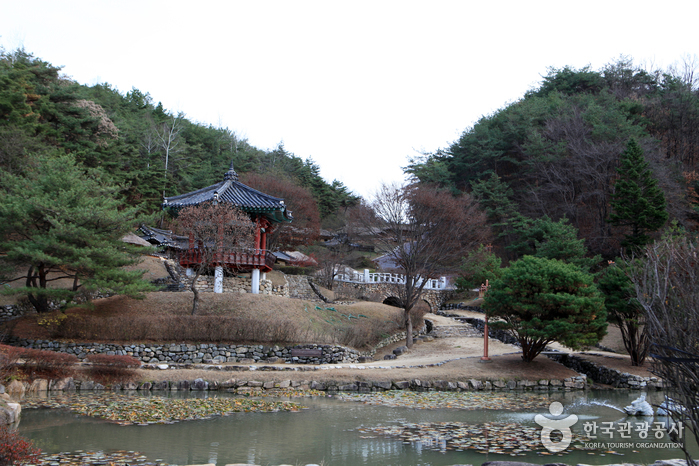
{"points": [[265, 211]]}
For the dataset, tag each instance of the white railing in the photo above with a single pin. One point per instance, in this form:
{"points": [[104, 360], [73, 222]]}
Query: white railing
{"points": [[398, 279]]}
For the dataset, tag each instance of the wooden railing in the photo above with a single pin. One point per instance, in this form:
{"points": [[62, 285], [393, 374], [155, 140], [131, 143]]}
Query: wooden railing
{"points": [[241, 259]]}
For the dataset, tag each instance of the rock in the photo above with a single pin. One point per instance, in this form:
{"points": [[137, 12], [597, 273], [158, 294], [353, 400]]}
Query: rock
{"points": [[16, 389], [64, 384], [9, 413], [230, 383], [400, 350], [283, 384], [200, 384], [130, 386], [317, 386], [39, 385], [382, 385], [164, 385], [401, 385], [87, 385]]}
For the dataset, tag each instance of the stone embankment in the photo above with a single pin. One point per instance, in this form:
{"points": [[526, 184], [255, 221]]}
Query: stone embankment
{"points": [[606, 375], [202, 353], [243, 385], [596, 372]]}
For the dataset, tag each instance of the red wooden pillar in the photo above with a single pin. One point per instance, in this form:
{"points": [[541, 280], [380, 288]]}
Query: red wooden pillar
{"points": [[257, 234]]}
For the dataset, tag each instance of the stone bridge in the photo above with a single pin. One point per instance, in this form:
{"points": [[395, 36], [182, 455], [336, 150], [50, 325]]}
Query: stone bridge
{"points": [[385, 288]]}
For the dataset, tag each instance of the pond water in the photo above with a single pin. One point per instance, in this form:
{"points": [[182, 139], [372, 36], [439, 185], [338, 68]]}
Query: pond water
{"points": [[335, 432]]}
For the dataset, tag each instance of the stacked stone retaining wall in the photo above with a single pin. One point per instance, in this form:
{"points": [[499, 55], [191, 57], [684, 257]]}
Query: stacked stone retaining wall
{"points": [[597, 373], [300, 288], [606, 375], [199, 353], [246, 384]]}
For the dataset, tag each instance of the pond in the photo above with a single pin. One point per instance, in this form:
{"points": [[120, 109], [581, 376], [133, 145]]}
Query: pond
{"points": [[335, 430]]}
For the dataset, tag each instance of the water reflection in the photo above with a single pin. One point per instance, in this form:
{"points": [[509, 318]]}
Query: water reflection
{"points": [[327, 432]]}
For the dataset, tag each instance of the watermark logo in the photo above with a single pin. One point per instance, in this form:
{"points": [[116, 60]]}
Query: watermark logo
{"points": [[643, 433], [552, 425]]}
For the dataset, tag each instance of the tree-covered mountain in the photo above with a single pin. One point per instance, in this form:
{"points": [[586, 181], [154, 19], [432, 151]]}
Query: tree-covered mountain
{"points": [[144, 148], [555, 152]]}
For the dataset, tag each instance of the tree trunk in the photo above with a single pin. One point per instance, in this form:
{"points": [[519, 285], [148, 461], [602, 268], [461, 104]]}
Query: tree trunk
{"points": [[408, 329], [40, 302], [195, 301]]}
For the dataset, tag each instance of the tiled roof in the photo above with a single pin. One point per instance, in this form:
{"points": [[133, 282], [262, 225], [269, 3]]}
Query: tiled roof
{"points": [[232, 191]]}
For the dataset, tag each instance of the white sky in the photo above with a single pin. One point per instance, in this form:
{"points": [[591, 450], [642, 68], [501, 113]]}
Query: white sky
{"points": [[359, 86]]}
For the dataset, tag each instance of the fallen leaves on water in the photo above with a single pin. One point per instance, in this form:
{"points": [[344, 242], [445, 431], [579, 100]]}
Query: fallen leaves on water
{"points": [[131, 409], [452, 400], [500, 438]]}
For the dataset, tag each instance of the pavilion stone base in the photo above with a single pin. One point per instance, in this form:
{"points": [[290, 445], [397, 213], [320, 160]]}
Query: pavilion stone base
{"points": [[205, 283]]}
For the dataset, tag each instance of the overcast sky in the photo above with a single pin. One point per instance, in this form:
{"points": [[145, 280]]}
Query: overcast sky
{"points": [[359, 86]]}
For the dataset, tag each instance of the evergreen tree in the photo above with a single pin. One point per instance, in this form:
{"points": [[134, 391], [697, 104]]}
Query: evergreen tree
{"points": [[61, 220], [624, 311], [637, 201], [544, 300]]}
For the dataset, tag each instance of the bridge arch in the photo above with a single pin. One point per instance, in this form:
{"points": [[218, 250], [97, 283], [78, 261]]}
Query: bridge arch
{"points": [[382, 292]]}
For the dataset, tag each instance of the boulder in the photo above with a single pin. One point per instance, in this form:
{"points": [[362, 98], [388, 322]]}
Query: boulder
{"points": [[9, 413], [39, 385], [63, 384], [15, 389]]}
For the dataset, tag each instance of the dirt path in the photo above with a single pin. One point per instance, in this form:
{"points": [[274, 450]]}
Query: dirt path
{"points": [[447, 358]]}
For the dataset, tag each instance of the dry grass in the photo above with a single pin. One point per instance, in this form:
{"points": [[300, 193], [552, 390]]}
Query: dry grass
{"points": [[240, 318]]}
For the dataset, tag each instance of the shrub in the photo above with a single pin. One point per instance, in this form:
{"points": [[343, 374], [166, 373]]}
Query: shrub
{"points": [[9, 355], [47, 364], [106, 368], [15, 449]]}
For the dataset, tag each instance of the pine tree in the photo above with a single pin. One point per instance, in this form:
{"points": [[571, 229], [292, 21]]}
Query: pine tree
{"points": [[637, 201], [59, 220]]}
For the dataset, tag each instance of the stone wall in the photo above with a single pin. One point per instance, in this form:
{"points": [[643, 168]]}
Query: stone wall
{"points": [[243, 383], [595, 372], [10, 312], [205, 283], [606, 375], [183, 353], [299, 288]]}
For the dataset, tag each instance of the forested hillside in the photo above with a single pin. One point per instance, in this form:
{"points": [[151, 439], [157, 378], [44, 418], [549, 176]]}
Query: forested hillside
{"points": [[145, 149], [555, 152]]}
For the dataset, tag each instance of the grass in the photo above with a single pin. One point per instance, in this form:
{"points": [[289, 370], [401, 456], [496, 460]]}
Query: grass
{"points": [[232, 318]]}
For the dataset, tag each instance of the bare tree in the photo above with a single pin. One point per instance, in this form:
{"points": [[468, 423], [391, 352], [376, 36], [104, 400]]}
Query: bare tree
{"points": [[215, 230], [168, 137], [667, 287], [425, 232]]}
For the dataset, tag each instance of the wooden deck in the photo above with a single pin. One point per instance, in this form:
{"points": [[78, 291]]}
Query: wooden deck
{"points": [[239, 260]]}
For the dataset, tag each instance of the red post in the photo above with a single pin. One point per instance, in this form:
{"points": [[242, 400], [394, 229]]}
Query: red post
{"points": [[485, 357]]}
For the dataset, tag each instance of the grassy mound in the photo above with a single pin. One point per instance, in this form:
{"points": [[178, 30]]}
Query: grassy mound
{"points": [[240, 318]]}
